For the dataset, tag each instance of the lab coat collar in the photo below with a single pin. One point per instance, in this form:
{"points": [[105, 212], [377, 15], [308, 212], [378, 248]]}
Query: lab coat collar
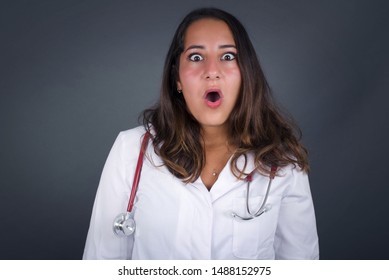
{"points": [[227, 181]]}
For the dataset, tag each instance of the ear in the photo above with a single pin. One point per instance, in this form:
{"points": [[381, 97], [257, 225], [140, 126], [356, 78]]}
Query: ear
{"points": [[179, 86]]}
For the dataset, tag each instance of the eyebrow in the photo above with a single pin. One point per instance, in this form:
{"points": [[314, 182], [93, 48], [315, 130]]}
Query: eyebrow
{"points": [[202, 47]]}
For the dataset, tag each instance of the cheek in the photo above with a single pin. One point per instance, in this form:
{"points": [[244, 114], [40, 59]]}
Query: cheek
{"points": [[235, 78], [234, 84], [185, 73], [188, 76]]}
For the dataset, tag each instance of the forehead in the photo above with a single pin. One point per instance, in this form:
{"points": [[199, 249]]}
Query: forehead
{"points": [[208, 29]]}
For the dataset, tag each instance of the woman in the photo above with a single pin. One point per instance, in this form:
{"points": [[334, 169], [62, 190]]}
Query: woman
{"points": [[214, 132]]}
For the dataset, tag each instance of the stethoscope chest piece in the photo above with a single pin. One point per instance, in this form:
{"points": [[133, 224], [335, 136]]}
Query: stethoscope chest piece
{"points": [[124, 224]]}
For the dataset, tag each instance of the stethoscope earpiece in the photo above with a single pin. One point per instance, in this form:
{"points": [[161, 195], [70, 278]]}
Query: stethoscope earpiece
{"points": [[267, 208]]}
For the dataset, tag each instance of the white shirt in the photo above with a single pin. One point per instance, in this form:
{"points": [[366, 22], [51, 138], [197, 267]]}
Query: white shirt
{"points": [[175, 220]]}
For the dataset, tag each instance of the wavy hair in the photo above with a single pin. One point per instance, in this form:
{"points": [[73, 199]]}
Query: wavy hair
{"points": [[255, 125]]}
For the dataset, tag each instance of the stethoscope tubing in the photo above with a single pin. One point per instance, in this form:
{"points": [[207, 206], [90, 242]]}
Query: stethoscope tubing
{"points": [[124, 224], [138, 171], [264, 207]]}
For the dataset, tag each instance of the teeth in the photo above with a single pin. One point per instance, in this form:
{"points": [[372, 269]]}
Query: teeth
{"points": [[213, 96]]}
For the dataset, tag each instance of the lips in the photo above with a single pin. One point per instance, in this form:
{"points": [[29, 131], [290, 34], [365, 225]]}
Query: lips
{"points": [[213, 98]]}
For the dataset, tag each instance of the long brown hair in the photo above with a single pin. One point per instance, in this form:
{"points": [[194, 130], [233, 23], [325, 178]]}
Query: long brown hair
{"points": [[255, 125]]}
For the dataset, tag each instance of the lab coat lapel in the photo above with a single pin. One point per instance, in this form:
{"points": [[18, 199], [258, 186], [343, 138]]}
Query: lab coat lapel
{"points": [[227, 181]]}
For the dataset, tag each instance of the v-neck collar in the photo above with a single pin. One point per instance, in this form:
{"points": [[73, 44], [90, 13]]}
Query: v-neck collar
{"points": [[226, 180]]}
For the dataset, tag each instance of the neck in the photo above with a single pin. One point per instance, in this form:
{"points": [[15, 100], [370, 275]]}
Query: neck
{"points": [[217, 153], [214, 137]]}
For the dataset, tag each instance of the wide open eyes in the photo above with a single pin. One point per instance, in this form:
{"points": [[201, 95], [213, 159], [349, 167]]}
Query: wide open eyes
{"points": [[225, 57], [228, 56], [195, 57]]}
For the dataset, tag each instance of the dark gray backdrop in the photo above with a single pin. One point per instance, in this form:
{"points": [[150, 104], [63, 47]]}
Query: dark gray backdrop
{"points": [[75, 73]]}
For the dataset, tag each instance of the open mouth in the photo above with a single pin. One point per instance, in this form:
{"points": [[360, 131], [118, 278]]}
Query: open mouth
{"points": [[213, 96]]}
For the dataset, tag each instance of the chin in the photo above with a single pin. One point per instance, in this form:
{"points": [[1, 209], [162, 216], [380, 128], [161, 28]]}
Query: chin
{"points": [[213, 124]]}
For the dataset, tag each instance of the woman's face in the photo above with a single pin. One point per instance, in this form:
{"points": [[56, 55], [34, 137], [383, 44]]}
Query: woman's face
{"points": [[209, 75]]}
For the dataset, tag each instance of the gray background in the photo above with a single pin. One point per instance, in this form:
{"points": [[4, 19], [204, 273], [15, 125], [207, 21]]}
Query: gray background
{"points": [[75, 73]]}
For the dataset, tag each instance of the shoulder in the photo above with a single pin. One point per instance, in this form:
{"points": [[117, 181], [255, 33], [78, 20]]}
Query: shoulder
{"points": [[131, 136], [293, 179], [127, 144], [291, 170]]}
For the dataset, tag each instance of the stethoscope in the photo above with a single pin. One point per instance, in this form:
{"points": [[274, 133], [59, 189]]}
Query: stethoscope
{"points": [[264, 207], [124, 223]]}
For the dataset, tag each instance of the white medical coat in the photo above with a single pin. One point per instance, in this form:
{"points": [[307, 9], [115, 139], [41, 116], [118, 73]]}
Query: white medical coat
{"points": [[186, 221]]}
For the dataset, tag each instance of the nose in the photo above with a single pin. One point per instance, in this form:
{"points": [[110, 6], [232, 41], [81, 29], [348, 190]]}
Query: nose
{"points": [[212, 70]]}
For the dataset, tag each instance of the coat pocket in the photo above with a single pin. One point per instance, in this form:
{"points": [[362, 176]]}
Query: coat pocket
{"points": [[253, 239]]}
